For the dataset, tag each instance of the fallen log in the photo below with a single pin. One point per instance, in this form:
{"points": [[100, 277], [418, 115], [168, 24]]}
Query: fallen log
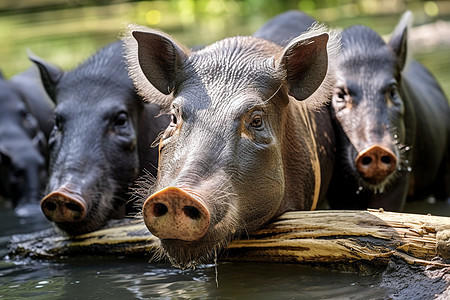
{"points": [[316, 237], [410, 251]]}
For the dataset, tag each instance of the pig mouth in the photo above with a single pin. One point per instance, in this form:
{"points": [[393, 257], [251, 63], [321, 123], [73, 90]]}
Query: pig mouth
{"points": [[97, 215], [183, 255], [188, 254], [192, 226]]}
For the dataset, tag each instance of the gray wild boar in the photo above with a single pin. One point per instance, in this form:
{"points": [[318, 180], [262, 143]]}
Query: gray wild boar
{"points": [[246, 141]]}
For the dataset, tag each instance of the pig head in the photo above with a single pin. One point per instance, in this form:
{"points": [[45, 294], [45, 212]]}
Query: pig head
{"points": [[241, 147]]}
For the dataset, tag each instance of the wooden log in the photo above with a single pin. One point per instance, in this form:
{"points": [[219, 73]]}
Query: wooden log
{"points": [[316, 237]]}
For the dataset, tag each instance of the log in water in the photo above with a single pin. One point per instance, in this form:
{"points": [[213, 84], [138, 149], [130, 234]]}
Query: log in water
{"points": [[326, 236]]}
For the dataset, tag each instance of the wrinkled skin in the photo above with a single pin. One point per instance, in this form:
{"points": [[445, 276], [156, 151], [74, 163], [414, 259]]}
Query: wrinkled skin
{"points": [[25, 124], [100, 142], [241, 148], [392, 124]]}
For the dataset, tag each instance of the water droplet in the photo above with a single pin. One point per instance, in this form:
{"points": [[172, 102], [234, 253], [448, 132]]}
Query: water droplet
{"points": [[360, 188], [399, 168], [407, 162], [39, 286], [395, 136], [381, 190], [407, 148], [409, 169], [43, 282], [357, 192]]}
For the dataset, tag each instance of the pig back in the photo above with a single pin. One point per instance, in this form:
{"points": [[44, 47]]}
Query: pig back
{"points": [[427, 122]]}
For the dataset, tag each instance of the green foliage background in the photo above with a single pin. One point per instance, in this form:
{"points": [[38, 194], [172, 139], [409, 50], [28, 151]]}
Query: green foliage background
{"points": [[67, 32]]}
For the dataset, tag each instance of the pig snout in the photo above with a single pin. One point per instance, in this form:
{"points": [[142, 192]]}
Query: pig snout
{"points": [[63, 205], [173, 213], [376, 163]]}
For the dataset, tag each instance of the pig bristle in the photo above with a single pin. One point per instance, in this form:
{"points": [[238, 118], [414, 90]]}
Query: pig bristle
{"points": [[142, 189]]}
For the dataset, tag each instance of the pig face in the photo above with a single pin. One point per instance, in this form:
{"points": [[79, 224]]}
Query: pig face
{"points": [[222, 169], [94, 143], [368, 106]]}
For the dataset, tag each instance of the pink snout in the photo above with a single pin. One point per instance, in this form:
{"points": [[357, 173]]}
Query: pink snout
{"points": [[62, 205], [376, 163], [173, 213]]}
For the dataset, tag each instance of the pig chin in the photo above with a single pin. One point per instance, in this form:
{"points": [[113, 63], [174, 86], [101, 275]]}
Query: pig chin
{"points": [[184, 254]]}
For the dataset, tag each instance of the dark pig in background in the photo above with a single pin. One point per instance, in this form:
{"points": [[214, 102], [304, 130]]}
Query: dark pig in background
{"points": [[242, 146], [392, 123], [26, 119], [100, 142], [284, 27]]}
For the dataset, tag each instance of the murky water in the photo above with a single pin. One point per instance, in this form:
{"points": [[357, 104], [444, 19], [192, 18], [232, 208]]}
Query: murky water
{"points": [[136, 278]]}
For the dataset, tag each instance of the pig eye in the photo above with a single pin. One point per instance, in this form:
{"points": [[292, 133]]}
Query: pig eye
{"points": [[173, 120], [340, 96], [392, 92], [121, 120], [58, 122], [256, 122]]}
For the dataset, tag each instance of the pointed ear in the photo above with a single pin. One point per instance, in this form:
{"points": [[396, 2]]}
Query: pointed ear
{"points": [[50, 74], [305, 62], [160, 58], [399, 40]]}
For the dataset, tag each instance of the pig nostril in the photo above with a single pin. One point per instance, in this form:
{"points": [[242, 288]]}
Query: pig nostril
{"points": [[159, 210], [50, 206], [386, 159], [73, 207], [191, 212], [366, 160]]}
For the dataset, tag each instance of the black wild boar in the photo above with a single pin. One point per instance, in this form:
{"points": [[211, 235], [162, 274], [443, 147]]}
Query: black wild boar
{"points": [[100, 142], [392, 124], [25, 123]]}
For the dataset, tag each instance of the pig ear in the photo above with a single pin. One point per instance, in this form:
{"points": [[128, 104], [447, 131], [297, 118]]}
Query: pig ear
{"points": [[399, 40], [50, 74], [159, 58], [305, 61]]}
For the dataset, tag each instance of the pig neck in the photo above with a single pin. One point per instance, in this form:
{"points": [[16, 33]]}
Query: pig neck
{"points": [[300, 159]]}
